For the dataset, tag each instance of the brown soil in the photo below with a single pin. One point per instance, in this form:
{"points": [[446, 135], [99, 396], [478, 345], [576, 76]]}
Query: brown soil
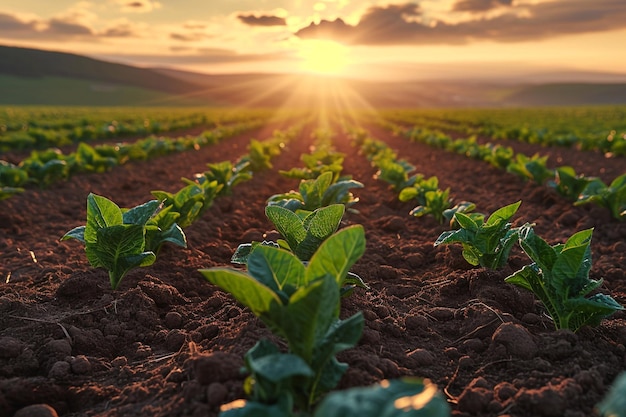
{"points": [[167, 343]]}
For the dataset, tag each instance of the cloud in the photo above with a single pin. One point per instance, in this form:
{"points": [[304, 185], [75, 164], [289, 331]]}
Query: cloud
{"points": [[476, 6], [61, 27], [264, 20], [71, 25], [138, 6], [404, 24], [56, 28], [190, 37], [121, 29], [12, 24], [199, 56]]}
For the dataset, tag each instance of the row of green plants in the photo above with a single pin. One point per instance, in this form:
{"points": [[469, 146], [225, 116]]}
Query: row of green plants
{"points": [[119, 239], [578, 188], [410, 186], [558, 275], [295, 286], [59, 127], [598, 128], [45, 167]]}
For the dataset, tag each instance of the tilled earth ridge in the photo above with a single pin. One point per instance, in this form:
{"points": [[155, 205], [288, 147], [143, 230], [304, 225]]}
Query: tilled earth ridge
{"points": [[167, 343]]}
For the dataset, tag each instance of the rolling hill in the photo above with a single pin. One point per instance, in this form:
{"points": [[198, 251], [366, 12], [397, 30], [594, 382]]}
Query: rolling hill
{"points": [[31, 76]]}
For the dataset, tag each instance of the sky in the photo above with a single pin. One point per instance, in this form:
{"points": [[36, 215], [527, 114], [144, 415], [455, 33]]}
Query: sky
{"points": [[485, 39]]}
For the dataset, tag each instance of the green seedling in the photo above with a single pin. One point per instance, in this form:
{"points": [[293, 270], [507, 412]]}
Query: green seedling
{"points": [[316, 193], [612, 197], [559, 277], [301, 305], [115, 240], [485, 243]]}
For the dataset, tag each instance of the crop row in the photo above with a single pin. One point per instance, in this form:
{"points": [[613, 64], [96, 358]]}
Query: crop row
{"points": [[431, 200], [595, 128], [578, 188], [295, 285], [20, 130], [120, 240], [45, 167]]}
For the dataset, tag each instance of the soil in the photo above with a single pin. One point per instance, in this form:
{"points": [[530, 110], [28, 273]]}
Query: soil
{"points": [[168, 343]]}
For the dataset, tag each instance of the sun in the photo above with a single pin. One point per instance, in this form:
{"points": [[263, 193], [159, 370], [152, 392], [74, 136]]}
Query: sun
{"points": [[323, 57]]}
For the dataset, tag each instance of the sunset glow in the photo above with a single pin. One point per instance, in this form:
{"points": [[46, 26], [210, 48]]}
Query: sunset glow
{"points": [[497, 40], [324, 57]]}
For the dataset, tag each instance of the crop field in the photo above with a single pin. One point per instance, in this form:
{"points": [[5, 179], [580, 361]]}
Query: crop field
{"points": [[173, 262]]}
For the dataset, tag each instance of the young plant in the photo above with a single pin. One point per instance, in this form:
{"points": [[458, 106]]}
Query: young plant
{"points": [[533, 168], [301, 305], [465, 207], [396, 173], [12, 175], [316, 193], [418, 190], [115, 240], [568, 184], [485, 243], [436, 203], [190, 201], [260, 155], [612, 197], [161, 228], [304, 233], [227, 175], [559, 277], [318, 162], [46, 167]]}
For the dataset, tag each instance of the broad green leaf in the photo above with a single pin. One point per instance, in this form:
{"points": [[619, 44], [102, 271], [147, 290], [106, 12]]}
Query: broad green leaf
{"points": [[75, 233], [407, 397], [141, 214], [313, 190], [338, 193], [280, 366], [342, 335], [275, 268], [503, 214], [119, 249], [309, 314], [590, 311], [407, 194], [337, 254], [536, 248], [319, 225], [259, 298], [466, 222], [288, 225], [522, 278], [101, 212], [243, 408]]}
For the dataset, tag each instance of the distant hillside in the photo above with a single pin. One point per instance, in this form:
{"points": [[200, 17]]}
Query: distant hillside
{"points": [[34, 63], [56, 91], [568, 94], [31, 76]]}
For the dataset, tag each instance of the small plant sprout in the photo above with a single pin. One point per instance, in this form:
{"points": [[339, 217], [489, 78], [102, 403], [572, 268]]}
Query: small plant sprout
{"points": [[559, 277], [485, 243], [115, 240]]}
